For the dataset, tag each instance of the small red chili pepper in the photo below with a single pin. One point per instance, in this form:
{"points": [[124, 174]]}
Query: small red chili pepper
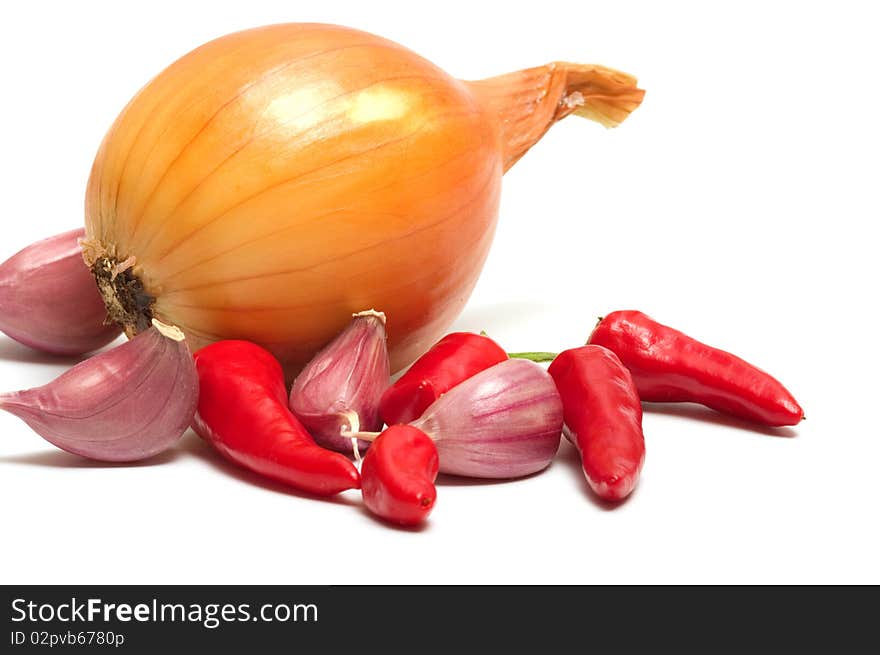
{"points": [[603, 417], [669, 366], [398, 474], [450, 361], [243, 413]]}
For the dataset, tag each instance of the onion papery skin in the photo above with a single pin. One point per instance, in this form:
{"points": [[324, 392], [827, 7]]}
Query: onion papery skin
{"points": [[272, 182]]}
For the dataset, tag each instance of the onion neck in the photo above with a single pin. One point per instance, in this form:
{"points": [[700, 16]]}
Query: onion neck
{"points": [[128, 304], [529, 101]]}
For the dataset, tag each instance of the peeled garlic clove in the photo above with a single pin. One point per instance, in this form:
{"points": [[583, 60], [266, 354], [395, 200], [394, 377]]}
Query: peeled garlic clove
{"points": [[124, 404], [339, 389], [49, 300], [504, 422]]}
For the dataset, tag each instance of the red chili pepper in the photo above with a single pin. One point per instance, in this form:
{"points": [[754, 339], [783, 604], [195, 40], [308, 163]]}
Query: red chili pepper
{"points": [[398, 474], [669, 366], [450, 361], [243, 413], [603, 417]]}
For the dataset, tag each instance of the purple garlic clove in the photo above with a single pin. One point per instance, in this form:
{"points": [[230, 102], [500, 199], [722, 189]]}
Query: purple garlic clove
{"points": [[49, 299], [503, 422], [339, 389], [124, 404]]}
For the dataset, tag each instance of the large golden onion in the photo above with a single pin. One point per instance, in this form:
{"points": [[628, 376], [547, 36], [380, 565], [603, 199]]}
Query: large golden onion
{"points": [[273, 181]]}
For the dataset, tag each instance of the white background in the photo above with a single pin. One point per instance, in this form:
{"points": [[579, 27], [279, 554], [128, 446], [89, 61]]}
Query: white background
{"points": [[736, 204]]}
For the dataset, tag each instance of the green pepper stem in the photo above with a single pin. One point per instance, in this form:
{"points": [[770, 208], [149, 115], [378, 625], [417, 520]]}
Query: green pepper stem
{"points": [[537, 356]]}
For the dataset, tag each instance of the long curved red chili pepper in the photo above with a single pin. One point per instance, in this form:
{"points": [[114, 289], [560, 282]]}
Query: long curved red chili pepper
{"points": [[452, 360], [243, 412], [603, 417], [398, 473], [669, 366]]}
